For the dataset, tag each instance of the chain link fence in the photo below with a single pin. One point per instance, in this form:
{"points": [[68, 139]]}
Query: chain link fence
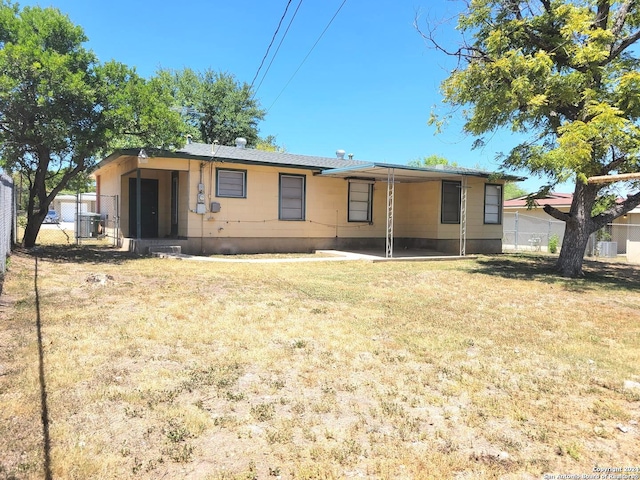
{"points": [[523, 232], [7, 219], [527, 232], [78, 219]]}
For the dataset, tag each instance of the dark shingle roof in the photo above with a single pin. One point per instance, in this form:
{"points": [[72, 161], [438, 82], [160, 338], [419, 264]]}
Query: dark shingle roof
{"points": [[260, 156], [206, 151]]}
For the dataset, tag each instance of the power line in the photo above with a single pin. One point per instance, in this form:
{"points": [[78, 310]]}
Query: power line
{"points": [[307, 56], [271, 43], [278, 49]]}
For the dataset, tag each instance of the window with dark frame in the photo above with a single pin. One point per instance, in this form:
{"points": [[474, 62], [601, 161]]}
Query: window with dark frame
{"points": [[292, 192], [492, 204], [231, 183], [450, 209], [360, 202]]}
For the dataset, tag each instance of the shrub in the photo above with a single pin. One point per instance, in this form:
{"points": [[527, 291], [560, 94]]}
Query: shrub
{"points": [[553, 243]]}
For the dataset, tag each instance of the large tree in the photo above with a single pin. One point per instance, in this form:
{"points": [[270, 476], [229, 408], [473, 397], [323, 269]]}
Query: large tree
{"points": [[565, 74], [215, 105], [60, 108]]}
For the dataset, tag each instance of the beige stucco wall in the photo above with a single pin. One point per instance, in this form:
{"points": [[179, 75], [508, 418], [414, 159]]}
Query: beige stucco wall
{"points": [[476, 228], [416, 209], [257, 214]]}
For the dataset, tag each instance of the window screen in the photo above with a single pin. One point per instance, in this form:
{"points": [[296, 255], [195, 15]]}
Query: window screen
{"points": [[493, 203], [291, 197], [360, 196], [231, 183], [450, 202]]}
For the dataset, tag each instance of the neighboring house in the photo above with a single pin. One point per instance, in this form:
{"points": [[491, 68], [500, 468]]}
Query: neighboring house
{"points": [[219, 199], [561, 201], [531, 228], [531, 224], [67, 206]]}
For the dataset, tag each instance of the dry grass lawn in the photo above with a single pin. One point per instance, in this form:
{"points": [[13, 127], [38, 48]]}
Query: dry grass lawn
{"points": [[154, 368]]}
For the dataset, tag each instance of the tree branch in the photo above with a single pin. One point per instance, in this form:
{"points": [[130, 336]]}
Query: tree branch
{"points": [[626, 42], [602, 16], [465, 52], [617, 210], [557, 214], [547, 5], [621, 17]]}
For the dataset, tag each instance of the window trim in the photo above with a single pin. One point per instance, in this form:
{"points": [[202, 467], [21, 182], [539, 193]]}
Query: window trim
{"points": [[303, 199], [369, 218], [500, 200], [458, 185], [232, 170]]}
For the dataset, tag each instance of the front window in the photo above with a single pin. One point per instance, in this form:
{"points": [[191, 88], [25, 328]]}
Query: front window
{"points": [[493, 204], [292, 197], [450, 202], [360, 201]]}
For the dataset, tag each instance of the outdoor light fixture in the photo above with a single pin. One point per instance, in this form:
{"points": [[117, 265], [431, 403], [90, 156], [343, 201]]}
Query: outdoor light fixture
{"points": [[142, 156]]}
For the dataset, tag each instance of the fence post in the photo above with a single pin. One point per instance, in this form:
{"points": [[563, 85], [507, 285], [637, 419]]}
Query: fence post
{"points": [[515, 240]]}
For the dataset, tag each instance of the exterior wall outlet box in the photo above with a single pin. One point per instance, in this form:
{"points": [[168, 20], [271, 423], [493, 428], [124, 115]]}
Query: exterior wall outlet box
{"points": [[215, 207]]}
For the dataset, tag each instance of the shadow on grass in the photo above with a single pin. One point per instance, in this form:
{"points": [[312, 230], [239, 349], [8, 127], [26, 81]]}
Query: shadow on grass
{"points": [[80, 254], [541, 268], [43, 385]]}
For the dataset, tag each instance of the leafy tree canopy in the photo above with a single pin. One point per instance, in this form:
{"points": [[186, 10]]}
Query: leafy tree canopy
{"points": [[512, 190], [431, 161], [215, 105], [60, 108], [565, 73], [268, 144]]}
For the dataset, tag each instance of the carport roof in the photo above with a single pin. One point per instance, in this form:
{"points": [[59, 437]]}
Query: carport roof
{"points": [[405, 174]]}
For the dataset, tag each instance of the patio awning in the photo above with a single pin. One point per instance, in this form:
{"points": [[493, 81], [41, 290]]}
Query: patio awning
{"points": [[392, 174], [406, 174]]}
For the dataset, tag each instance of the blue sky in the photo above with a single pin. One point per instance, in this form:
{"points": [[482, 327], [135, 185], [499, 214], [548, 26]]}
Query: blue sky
{"points": [[368, 87]]}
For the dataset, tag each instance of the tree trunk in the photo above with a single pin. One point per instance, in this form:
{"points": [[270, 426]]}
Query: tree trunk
{"points": [[574, 245], [33, 228], [579, 225]]}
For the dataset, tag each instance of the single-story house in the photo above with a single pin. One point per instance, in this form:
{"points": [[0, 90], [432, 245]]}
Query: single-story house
{"points": [[623, 234], [67, 206], [224, 199]]}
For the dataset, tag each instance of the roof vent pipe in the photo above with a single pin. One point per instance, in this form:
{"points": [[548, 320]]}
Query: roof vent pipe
{"points": [[241, 142], [350, 156], [189, 138], [340, 154]]}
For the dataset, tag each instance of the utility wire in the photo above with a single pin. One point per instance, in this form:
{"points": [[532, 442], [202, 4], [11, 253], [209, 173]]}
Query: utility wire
{"points": [[307, 56], [271, 43], [278, 49]]}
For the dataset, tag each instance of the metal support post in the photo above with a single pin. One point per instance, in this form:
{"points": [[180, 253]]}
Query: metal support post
{"points": [[463, 217], [390, 195]]}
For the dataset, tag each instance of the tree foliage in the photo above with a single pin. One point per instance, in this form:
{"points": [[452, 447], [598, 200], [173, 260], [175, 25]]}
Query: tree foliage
{"points": [[215, 105], [60, 108], [511, 190], [565, 73], [431, 161]]}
